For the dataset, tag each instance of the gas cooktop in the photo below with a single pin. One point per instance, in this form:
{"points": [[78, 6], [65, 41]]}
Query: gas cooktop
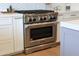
{"points": [[33, 11], [37, 16]]}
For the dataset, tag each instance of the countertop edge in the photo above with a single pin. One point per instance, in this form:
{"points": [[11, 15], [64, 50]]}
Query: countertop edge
{"points": [[69, 25]]}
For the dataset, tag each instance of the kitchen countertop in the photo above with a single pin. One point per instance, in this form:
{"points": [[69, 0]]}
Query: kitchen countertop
{"points": [[9, 14], [72, 24], [70, 15], [68, 12]]}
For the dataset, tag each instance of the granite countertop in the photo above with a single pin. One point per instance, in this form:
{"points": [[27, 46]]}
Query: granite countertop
{"points": [[72, 24]]}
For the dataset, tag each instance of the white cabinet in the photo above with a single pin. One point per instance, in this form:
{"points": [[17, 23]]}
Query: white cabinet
{"points": [[6, 36], [18, 33], [11, 34]]}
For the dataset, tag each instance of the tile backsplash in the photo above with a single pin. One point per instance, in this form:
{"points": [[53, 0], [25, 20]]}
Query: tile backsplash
{"points": [[22, 6], [61, 7]]}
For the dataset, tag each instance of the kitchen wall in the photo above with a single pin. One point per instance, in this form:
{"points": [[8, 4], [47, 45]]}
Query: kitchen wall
{"points": [[58, 6], [61, 7], [52, 6], [22, 6], [75, 7]]}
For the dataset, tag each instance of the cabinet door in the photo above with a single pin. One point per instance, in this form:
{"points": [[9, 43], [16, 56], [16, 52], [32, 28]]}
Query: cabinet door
{"points": [[6, 39], [18, 34], [69, 42]]}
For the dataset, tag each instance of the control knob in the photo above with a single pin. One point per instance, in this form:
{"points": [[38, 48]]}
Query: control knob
{"points": [[52, 18], [44, 18], [41, 19], [30, 19], [34, 19]]}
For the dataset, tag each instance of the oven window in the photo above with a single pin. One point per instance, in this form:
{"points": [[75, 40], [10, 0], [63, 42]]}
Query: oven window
{"points": [[43, 32]]}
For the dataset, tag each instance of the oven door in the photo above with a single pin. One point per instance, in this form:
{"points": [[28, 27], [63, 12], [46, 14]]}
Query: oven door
{"points": [[36, 34]]}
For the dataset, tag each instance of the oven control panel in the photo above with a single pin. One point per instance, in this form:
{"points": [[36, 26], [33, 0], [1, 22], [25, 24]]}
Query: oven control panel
{"points": [[38, 18]]}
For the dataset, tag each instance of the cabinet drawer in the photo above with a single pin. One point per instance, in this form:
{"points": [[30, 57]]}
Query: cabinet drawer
{"points": [[6, 40], [5, 21]]}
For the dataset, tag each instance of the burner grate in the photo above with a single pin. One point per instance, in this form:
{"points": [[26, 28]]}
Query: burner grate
{"points": [[33, 11]]}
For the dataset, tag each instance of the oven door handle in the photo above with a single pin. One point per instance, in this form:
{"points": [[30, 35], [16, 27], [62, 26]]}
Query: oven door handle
{"points": [[40, 25]]}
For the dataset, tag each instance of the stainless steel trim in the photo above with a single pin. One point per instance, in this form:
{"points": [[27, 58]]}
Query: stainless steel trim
{"points": [[42, 41], [38, 16], [40, 24], [40, 47]]}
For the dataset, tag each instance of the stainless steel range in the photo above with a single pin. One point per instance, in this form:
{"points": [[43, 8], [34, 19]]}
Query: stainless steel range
{"points": [[40, 29]]}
